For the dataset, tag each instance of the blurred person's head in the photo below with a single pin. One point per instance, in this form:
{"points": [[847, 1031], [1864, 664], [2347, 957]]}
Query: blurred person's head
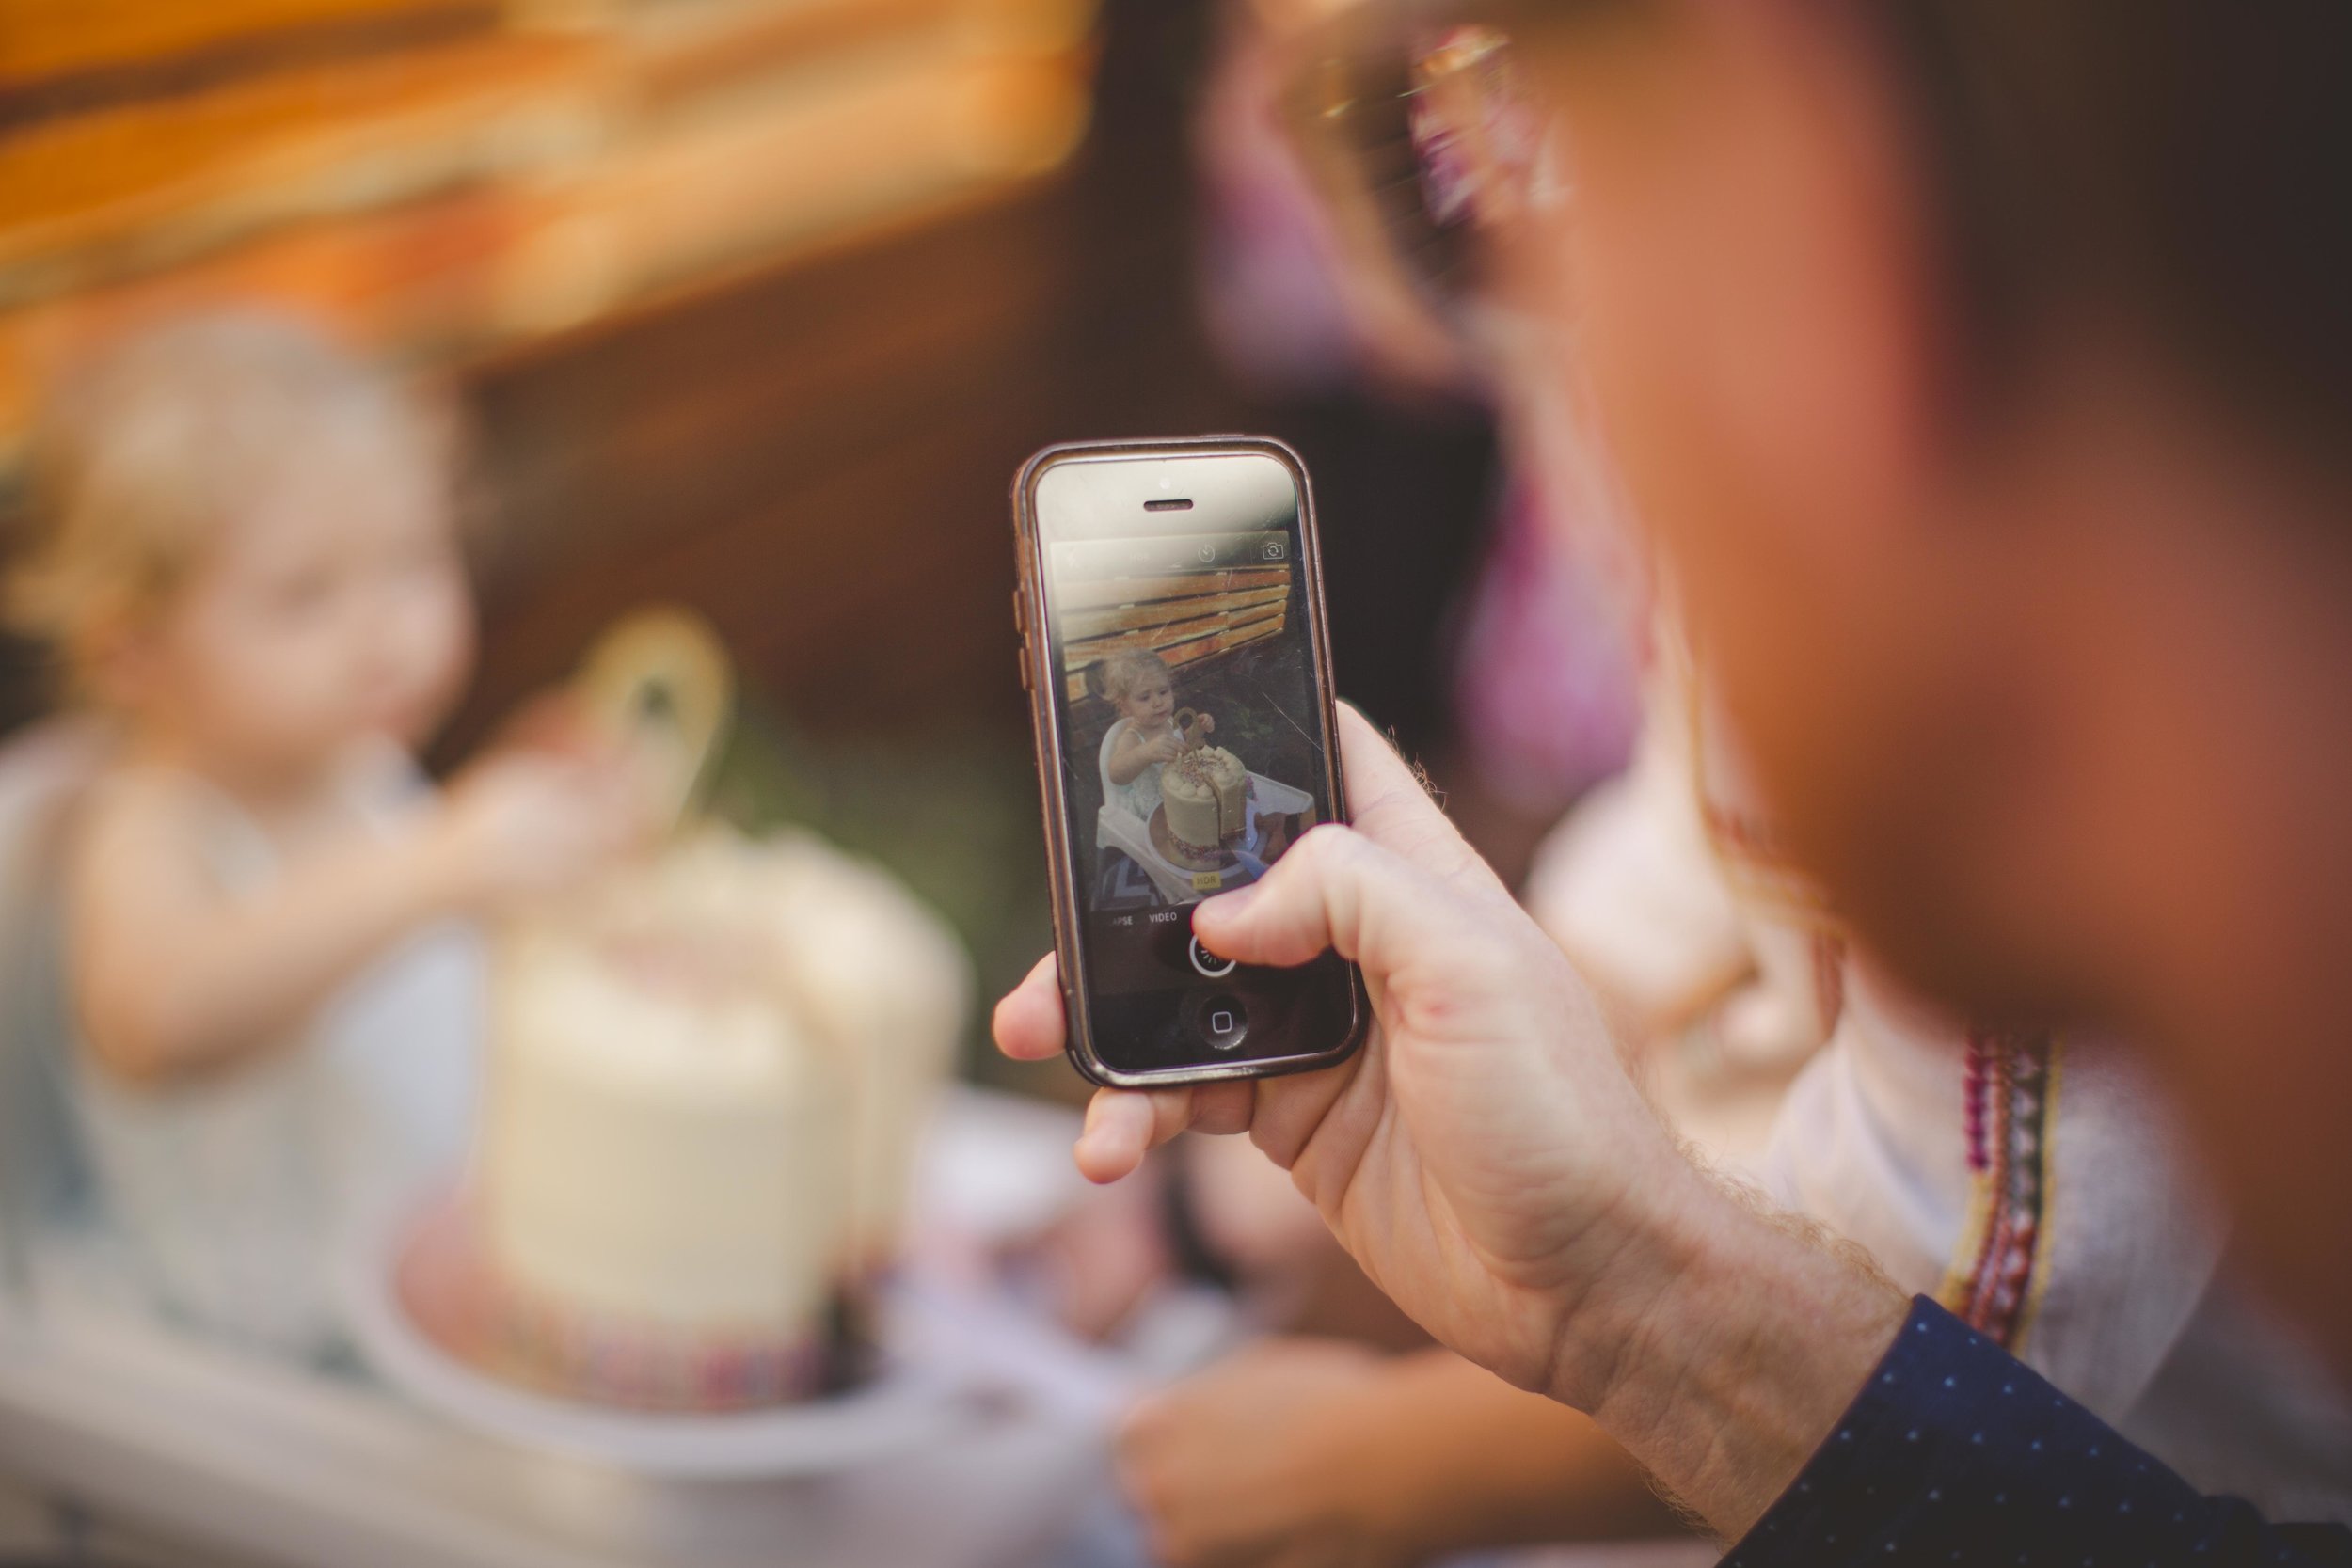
{"points": [[1138, 684], [1983, 369], [246, 546]]}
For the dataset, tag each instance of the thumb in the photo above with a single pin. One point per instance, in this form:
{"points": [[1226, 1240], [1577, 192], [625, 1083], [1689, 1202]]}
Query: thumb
{"points": [[1336, 890], [1381, 893]]}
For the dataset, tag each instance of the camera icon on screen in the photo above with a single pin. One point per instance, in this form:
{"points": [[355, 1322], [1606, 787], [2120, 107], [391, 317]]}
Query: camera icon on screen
{"points": [[1277, 550]]}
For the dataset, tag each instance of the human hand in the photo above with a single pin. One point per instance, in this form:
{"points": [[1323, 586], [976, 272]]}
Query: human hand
{"points": [[1314, 1452], [1163, 748], [524, 823], [558, 721], [1488, 1164], [1484, 1158], [1261, 1460], [1208, 724]]}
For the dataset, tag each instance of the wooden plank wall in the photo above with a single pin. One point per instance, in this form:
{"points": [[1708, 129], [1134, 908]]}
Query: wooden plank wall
{"points": [[433, 181], [1183, 619], [48, 39]]}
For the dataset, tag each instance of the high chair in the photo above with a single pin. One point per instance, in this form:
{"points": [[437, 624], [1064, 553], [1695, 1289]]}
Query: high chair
{"points": [[1117, 828], [41, 770]]}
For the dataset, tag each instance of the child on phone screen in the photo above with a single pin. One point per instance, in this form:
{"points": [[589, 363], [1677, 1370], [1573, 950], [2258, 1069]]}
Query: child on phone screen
{"points": [[249, 569], [1144, 738]]}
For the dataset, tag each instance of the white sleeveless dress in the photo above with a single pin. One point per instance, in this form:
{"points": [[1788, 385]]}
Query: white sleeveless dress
{"points": [[235, 1195], [1139, 795]]}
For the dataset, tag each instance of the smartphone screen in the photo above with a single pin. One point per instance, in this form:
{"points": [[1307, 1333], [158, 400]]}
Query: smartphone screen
{"points": [[1184, 714]]}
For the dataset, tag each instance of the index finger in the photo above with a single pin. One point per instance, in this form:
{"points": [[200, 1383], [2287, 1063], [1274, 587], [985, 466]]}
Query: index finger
{"points": [[1389, 801], [1120, 1125]]}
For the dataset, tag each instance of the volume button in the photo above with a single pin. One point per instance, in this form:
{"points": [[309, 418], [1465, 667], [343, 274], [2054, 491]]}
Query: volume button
{"points": [[1021, 625]]}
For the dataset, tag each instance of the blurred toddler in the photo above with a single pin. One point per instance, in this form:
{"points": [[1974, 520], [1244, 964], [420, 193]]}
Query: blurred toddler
{"points": [[250, 568]]}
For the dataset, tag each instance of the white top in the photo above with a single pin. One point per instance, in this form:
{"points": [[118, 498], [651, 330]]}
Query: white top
{"points": [[232, 1195], [1140, 796], [2136, 1312], [2137, 1316]]}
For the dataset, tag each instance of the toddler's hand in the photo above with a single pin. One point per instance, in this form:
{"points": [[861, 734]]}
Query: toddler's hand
{"points": [[1163, 748], [527, 823], [1208, 724]]}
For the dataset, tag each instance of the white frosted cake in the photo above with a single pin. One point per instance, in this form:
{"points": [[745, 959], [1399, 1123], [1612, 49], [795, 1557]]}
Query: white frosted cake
{"points": [[885, 982], [706, 1090], [1206, 792]]}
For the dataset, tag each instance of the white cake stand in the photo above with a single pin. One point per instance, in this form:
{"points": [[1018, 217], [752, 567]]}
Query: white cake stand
{"points": [[905, 1404]]}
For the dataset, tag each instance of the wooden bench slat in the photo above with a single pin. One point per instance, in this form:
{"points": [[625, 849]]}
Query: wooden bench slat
{"points": [[1085, 623], [145, 176], [1198, 649], [1124, 591], [1161, 638], [53, 38]]}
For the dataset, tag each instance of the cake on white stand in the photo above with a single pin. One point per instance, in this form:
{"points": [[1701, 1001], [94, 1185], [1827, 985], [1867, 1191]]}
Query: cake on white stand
{"points": [[706, 1083]]}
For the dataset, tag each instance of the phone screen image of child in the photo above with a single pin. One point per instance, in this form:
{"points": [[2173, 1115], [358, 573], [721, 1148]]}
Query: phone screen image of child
{"points": [[1194, 744]]}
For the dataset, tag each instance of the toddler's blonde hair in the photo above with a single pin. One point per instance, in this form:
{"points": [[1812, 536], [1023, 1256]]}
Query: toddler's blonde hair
{"points": [[137, 461], [1124, 669]]}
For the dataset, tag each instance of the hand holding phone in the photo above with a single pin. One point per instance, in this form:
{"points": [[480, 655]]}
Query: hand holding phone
{"points": [[1487, 1161], [1484, 1156], [1171, 611]]}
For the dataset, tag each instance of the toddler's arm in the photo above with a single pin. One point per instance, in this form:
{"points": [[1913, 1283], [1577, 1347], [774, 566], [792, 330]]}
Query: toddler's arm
{"points": [[1133, 753], [171, 973]]}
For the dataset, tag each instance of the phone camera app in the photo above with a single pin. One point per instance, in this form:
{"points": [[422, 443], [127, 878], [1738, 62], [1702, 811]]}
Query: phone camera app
{"points": [[1192, 727]]}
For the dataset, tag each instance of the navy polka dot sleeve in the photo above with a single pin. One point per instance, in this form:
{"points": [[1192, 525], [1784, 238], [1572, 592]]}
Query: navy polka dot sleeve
{"points": [[1955, 1453]]}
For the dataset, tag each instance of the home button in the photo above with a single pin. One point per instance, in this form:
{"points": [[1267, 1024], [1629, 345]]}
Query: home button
{"points": [[1223, 1021]]}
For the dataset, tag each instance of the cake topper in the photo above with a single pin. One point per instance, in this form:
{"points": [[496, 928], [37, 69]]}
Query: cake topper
{"points": [[659, 683]]}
